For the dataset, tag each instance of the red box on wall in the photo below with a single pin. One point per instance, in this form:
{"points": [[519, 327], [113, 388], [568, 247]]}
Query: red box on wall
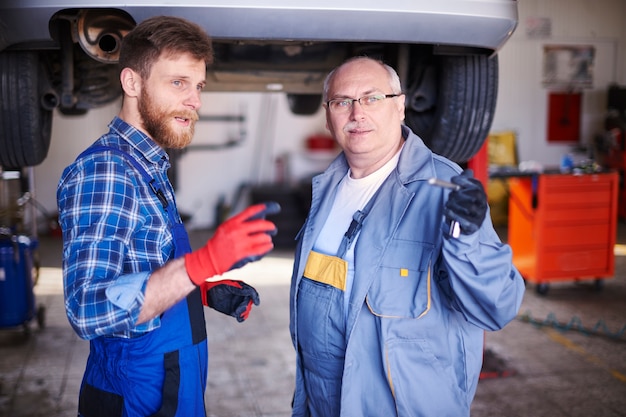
{"points": [[564, 117]]}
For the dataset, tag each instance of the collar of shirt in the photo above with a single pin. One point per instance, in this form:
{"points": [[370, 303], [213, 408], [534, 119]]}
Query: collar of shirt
{"points": [[141, 142]]}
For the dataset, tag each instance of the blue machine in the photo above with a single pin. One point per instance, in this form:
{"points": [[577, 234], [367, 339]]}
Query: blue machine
{"points": [[17, 267]]}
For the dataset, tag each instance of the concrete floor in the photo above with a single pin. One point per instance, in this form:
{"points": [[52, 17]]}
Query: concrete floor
{"points": [[565, 354]]}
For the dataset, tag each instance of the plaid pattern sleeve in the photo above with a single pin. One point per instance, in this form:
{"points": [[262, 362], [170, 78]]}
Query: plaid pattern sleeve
{"points": [[114, 233]]}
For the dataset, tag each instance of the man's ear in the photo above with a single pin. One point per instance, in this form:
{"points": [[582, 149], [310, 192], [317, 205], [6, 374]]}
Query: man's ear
{"points": [[131, 82]]}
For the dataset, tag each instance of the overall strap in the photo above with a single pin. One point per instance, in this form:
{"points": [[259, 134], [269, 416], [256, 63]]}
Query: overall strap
{"points": [[355, 225], [147, 178]]}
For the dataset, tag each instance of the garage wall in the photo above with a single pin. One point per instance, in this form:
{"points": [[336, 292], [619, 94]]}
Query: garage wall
{"points": [[270, 131], [522, 100]]}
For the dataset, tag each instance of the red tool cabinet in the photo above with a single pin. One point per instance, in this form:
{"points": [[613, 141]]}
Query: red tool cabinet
{"points": [[563, 227]]}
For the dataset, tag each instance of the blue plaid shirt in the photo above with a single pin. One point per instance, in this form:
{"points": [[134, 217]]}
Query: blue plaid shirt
{"points": [[115, 232]]}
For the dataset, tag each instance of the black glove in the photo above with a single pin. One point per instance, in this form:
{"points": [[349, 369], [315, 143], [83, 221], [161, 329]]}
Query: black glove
{"points": [[271, 207], [233, 298], [467, 205]]}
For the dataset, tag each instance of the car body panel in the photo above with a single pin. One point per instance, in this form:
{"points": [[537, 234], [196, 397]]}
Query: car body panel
{"points": [[477, 23], [445, 53]]}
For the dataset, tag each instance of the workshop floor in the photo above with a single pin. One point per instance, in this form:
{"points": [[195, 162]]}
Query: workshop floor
{"points": [[565, 354]]}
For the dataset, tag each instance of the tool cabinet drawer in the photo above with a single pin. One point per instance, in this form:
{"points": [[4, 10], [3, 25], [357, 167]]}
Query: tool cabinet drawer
{"points": [[563, 227]]}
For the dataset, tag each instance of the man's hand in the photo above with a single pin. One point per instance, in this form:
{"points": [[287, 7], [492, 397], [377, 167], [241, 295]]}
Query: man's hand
{"points": [[242, 238], [271, 207], [233, 298], [467, 205]]}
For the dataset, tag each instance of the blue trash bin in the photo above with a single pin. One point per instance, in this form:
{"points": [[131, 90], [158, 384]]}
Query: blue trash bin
{"points": [[17, 299]]}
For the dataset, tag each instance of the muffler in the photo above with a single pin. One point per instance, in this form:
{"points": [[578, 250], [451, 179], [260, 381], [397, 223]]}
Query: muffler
{"points": [[100, 32]]}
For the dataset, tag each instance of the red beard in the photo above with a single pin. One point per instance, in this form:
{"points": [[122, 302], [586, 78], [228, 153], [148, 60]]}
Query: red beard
{"points": [[158, 123]]}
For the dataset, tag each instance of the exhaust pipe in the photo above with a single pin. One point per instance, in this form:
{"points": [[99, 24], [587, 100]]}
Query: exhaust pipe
{"points": [[100, 32], [50, 100]]}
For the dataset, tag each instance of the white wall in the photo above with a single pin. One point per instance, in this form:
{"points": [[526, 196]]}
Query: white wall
{"points": [[522, 100], [271, 130]]}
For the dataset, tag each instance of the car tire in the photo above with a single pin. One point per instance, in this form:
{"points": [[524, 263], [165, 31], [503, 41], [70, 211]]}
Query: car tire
{"points": [[25, 125], [304, 104], [451, 103]]}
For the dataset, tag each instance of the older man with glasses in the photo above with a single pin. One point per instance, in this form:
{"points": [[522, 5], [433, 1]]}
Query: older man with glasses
{"points": [[388, 308]]}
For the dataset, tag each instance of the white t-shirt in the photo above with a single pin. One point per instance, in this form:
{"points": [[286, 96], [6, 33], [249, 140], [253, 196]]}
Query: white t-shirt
{"points": [[352, 195]]}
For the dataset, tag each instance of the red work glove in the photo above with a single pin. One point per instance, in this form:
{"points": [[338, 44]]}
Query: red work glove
{"points": [[233, 298], [240, 239]]}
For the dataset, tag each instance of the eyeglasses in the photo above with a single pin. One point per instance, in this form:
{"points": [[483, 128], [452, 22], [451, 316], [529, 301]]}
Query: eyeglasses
{"points": [[345, 105]]}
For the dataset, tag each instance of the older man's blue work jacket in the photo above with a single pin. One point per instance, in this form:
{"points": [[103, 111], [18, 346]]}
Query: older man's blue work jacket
{"points": [[412, 341]]}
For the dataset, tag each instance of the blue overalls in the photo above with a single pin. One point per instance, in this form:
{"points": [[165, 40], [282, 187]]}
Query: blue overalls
{"points": [[322, 321], [162, 373]]}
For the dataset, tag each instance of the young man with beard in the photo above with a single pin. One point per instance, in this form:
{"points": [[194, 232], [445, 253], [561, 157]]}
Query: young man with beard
{"points": [[133, 287], [388, 308]]}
